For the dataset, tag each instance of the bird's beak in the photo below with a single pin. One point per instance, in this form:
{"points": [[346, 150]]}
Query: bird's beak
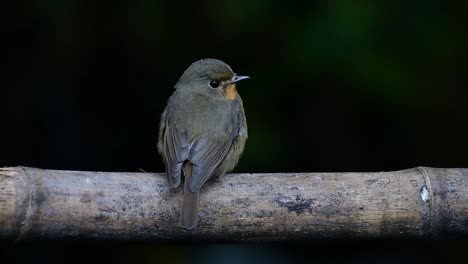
{"points": [[239, 78]]}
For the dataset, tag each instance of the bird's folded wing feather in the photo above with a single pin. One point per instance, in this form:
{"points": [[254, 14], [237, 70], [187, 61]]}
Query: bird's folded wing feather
{"points": [[176, 150], [206, 156], [212, 158]]}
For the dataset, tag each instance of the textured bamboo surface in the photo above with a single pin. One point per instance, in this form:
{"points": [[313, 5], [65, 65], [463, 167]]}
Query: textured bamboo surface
{"points": [[415, 203]]}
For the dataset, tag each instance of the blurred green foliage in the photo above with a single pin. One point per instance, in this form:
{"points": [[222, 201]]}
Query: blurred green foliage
{"points": [[337, 85]]}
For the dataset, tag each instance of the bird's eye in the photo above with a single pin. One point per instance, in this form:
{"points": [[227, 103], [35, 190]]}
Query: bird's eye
{"points": [[214, 84]]}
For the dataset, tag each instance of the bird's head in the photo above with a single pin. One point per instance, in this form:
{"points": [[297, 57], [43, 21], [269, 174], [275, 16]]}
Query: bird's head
{"points": [[212, 77]]}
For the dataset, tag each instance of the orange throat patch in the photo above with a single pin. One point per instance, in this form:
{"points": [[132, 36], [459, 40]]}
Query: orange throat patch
{"points": [[231, 92]]}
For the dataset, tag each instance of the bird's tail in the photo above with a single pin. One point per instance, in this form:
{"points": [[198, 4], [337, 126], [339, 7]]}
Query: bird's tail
{"points": [[189, 213]]}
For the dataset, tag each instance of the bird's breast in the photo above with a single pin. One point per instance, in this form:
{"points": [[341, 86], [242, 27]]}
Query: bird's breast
{"points": [[231, 92]]}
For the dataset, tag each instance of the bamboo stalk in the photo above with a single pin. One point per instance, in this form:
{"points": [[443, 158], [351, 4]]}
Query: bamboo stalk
{"points": [[415, 203]]}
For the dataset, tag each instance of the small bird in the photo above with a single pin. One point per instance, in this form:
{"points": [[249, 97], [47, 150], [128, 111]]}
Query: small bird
{"points": [[203, 131]]}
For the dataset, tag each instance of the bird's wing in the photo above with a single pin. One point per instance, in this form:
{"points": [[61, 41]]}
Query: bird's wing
{"points": [[235, 152], [206, 155], [212, 158], [176, 150]]}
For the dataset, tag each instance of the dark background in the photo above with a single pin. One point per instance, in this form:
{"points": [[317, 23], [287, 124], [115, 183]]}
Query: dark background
{"points": [[336, 86]]}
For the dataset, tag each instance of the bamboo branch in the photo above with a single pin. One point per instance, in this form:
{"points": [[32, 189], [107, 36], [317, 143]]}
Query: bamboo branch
{"points": [[415, 203]]}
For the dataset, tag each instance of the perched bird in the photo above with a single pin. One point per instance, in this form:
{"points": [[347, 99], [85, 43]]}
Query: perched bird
{"points": [[203, 130]]}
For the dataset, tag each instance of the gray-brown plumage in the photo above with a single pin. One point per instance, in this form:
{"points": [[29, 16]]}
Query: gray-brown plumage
{"points": [[203, 130]]}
